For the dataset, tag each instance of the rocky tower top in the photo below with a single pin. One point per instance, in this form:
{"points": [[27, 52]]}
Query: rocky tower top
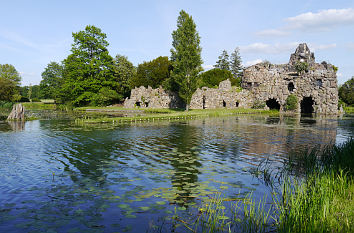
{"points": [[302, 54]]}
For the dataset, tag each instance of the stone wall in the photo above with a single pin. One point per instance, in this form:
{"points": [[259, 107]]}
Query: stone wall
{"points": [[152, 98], [225, 96]]}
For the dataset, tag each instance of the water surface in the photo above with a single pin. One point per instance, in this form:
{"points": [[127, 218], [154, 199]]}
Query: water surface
{"points": [[58, 176]]}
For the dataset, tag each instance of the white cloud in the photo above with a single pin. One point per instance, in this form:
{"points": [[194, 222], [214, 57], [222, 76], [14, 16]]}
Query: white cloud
{"points": [[272, 32], [322, 20], [207, 67], [252, 62], [269, 48], [315, 47]]}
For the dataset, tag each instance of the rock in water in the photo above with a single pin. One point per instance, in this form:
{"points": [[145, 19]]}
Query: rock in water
{"points": [[17, 113]]}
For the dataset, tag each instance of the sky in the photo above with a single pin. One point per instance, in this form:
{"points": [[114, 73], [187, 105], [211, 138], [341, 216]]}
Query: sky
{"points": [[35, 33]]}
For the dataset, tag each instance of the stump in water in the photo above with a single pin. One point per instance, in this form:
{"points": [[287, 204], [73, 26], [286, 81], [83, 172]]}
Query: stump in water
{"points": [[17, 113]]}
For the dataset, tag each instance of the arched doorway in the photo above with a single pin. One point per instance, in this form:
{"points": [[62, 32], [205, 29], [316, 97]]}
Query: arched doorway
{"points": [[224, 103], [307, 105], [237, 104], [273, 104], [203, 101], [291, 86]]}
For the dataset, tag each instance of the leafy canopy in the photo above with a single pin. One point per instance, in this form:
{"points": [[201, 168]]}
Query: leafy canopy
{"points": [[52, 78], [9, 83], [152, 73], [124, 72], [186, 56], [89, 68], [213, 77], [223, 63]]}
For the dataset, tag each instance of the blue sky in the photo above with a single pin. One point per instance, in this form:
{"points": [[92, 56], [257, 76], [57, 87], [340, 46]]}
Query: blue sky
{"points": [[34, 33]]}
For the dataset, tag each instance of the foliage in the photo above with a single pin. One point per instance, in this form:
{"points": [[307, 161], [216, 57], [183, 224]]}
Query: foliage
{"points": [[236, 63], [7, 90], [125, 72], [258, 105], [346, 92], [223, 63], [88, 68], [291, 102], [9, 83], [52, 79], [30, 92], [212, 78], [9, 72], [186, 56], [152, 73], [105, 96], [335, 68], [301, 67]]}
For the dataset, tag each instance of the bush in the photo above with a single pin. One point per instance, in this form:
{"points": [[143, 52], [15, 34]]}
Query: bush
{"points": [[291, 102], [258, 104], [36, 100], [105, 97], [301, 67]]}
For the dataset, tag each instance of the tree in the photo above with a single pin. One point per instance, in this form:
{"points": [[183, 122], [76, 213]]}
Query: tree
{"points": [[152, 73], [213, 77], [9, 83], [10, 73], [346, 92], [88, 69], [52, 79], [186, 56], [236, 63], [223, 63], [124, 71]]}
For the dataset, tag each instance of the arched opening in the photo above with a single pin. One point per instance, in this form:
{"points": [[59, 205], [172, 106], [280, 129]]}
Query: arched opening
{"points": [[291, 86], [224, 103], [147, 104], [273, 104], [237, 103], [307, 105], [137, 104], [203, 101]]}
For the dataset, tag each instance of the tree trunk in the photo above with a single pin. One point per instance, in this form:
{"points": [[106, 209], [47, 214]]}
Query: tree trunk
{"points": [[17, 113]]}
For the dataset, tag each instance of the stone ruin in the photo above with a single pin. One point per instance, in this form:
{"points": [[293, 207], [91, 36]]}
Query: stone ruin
{"points": [[263, 84], [152, 98]]}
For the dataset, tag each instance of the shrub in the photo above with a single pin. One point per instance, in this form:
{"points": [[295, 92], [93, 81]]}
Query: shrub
{"points": [[301, 67], [105, 97], [36, 100], [291, 102], [258, 104]]}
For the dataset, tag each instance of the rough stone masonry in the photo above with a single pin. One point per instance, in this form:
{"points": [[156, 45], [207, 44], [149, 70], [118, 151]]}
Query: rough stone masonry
{"points": [[263, 84]]}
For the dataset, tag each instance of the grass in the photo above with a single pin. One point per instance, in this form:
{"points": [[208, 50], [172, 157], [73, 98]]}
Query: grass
{"points": [[38, 106], [168, 114], [349, 110]]}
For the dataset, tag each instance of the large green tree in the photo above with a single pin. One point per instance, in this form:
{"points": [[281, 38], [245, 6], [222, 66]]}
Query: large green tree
{"points": [[223, 63], [152, 73], [88, 70], [186, 56], [213, 77], [125, 72], [9, 83], [346, 92], [52, 80]]}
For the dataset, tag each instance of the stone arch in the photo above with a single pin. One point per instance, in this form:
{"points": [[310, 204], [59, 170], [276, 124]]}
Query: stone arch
{"points": [[273, 104], [237, 104], [291, 87], [224, 103], [307, 104], [138, 104]]}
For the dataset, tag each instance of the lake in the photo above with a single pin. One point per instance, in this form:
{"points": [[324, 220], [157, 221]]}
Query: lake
{"points": [[62, 176]]}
